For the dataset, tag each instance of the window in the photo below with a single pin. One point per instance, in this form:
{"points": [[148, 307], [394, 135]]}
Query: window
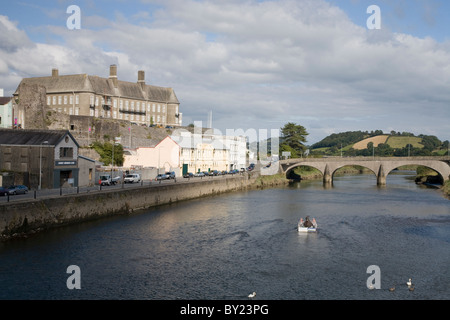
{"points": [[96, 101], [115, 103], [49, 100], [91, 112], [54, 100], [59, 100], [121, 104], [159, 108], [91, 102], [164, 108], [65, 99], [65, 152], [126, 105], [71, 100], [148, 107], [154, 106], [77, 99]]}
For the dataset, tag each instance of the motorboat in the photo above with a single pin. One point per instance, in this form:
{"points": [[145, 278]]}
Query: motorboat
{"points": [[302, 228]]}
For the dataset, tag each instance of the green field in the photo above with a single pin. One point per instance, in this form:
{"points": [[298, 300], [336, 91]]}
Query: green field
{"points": [[400, 142]]}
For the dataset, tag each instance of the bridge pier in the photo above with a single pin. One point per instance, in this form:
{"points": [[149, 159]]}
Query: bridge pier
{"points": [[381, 176], [327, 177]]}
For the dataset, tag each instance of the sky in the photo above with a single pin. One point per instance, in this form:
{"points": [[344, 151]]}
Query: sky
{"points": [[255, 65]]}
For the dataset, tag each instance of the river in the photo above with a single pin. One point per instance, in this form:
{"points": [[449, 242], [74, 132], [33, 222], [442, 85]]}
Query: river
{"points": [[227, 246]]}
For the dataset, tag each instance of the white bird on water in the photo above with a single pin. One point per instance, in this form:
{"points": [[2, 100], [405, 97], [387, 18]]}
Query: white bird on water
{"points": [[252, 295], [409, 283]]}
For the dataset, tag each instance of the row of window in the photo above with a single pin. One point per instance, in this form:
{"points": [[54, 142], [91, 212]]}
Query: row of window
{"points": [[130, 117], [60, 100], [123, 104], [128, 105]]}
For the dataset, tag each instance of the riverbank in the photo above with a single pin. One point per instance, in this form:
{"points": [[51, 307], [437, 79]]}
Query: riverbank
{"points": [[23, 218], [270, 181], [446, 189]]}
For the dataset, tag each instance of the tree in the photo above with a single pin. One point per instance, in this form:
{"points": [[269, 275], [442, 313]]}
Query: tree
{"points": [[293, 137], [105, 151]]}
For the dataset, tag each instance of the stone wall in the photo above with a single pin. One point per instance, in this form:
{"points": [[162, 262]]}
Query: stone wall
{"points": [[25, 217]]}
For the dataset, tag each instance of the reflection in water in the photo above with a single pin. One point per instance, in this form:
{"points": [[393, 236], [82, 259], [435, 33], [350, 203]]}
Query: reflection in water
{"points": [[227, 246]]}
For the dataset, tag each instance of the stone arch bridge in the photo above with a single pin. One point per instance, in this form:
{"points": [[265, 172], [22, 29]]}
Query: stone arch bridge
{"points": [[380, 166]]}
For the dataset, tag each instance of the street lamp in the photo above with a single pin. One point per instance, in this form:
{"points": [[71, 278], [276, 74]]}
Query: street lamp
{"points": [[40, 163]]}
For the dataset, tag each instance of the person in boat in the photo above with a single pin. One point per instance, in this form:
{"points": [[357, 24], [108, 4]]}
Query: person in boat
{"points": [[308, 223]]}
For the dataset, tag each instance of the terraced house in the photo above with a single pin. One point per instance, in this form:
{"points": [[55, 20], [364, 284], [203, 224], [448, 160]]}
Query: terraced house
{"points": [[86, 95]]}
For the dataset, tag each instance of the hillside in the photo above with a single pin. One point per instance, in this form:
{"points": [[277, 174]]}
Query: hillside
{"points": [[377, 140], [354, 143]]}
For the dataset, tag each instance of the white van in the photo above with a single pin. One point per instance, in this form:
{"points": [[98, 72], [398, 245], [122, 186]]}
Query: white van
{"points": [[132, 177]]}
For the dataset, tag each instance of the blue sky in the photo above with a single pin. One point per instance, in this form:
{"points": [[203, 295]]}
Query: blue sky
{"points": [[254, 64]]}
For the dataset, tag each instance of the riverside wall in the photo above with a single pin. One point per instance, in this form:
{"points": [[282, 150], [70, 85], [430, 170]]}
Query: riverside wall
{"points": [[22, 218]]}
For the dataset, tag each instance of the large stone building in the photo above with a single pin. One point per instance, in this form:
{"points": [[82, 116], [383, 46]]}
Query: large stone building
{"points": [[94, 96]]}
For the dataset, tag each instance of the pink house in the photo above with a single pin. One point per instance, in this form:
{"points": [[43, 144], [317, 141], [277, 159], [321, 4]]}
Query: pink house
{"points": [[164, 155]]}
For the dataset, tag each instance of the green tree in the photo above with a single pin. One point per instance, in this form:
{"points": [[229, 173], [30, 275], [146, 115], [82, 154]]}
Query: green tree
{"points": [[293, 137], [105, 151]]}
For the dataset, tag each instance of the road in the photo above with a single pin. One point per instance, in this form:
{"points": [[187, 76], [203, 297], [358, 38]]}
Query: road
{"points": [[51, 193]]}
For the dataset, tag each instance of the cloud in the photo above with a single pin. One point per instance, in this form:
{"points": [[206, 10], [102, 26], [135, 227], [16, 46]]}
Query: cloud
{"points": [[255, 64]]}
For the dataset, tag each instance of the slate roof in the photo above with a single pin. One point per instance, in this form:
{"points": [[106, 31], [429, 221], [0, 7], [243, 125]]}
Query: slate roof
{"points": [[32, 137], [4, 100], [103, 86]]}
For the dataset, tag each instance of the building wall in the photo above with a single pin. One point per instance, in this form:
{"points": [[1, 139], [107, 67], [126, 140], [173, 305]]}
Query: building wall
{"points": [[86, 173], [6, 120], [120, 108], [165, 156], [26, 159]]}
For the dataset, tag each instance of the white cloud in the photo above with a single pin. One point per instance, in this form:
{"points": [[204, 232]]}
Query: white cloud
{"points": [[256, 64]]}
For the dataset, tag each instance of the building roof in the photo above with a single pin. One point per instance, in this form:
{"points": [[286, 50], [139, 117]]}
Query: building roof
{"points": [[33, 137], [103, 86], [5, 100]]}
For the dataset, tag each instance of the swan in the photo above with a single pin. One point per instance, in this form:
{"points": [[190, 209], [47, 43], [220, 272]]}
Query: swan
{"points": [[252, 295], [409, 283]]}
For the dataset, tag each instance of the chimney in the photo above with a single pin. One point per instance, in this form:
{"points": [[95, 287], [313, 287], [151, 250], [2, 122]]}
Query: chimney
{"points": [[55, 72], [141, 78], [113, 74]]}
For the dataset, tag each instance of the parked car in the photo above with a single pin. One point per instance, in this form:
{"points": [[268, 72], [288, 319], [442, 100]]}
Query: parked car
{"points": [[162, 176], [106, 180], [132, 177], [3, 191], [188, 175], [251, 167], [171, 174], [17, 189], [199, 174]]}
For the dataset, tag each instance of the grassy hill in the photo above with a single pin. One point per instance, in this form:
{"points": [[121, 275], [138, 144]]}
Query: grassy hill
{"points": [[354, 143]]}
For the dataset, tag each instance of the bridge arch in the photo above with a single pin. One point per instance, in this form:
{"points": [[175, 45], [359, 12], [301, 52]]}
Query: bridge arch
{"points": [[289, 171], [354, 165], [433, 166]]}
